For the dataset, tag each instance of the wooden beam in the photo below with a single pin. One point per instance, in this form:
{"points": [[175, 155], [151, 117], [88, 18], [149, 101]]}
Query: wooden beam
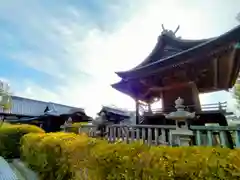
{"points": [[149, 108], [174, 86], [215, 71], [195, 93], [235, 72], [160, 89], [137, 111], [230, 59], [162, 101]]}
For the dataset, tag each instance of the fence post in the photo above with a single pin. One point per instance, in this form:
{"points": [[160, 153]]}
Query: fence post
{"points": [[149, 138], [209, 137], [198, 138], [237, 140], [219, 106], [79, 130], [222, 138], [170, 138], [143, 135]]}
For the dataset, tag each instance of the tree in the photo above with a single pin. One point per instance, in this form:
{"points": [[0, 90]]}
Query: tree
{"points": [[238, 17], [236, 91], [5, 96]]}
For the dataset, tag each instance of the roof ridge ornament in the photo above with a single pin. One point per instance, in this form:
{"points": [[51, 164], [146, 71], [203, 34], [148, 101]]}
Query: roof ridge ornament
{"points": [[169, 32]]}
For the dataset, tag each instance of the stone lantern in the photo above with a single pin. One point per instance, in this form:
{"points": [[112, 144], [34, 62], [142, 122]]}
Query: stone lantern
{"points": [[182, 134]]}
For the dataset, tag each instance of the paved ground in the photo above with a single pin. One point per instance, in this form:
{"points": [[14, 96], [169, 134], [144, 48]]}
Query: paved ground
{"points": [[6, 173], [27, 173], [15, 170], [18, 173]]}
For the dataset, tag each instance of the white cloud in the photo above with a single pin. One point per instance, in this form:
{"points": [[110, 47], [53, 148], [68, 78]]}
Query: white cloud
{"points": [[73, 47], [34, 91]]}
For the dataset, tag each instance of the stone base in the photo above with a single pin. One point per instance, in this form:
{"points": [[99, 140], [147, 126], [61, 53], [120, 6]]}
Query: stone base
{"points": [[181, 140], [184, 141]]}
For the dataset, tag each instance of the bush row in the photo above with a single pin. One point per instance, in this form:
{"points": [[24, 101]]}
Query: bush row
{"points": [[10, 136], [60, 156]]}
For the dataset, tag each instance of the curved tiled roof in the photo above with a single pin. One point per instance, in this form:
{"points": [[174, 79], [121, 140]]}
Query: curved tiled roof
{"points": [[170, 50], [169, 45]]}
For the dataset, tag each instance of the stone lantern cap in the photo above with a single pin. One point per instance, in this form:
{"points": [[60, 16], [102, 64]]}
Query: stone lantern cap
{"points": [[180, 114]]}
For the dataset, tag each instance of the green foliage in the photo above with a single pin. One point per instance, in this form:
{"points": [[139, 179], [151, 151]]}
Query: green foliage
{"points": [[4, 124], [60, 156], [55, 156], [10, 136], [237, 94], [6, 99]]}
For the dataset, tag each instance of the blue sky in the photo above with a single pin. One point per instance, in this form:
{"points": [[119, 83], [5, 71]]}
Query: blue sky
{"points": [[68, 51]]}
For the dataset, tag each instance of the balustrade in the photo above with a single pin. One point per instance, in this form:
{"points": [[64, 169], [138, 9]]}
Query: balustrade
{"points": [[221, 107], [222, 136]]}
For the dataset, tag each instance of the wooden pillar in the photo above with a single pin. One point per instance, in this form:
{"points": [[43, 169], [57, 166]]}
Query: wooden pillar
{"points": [[162, 101], [195, 95], [137, 111], [149, 108]]}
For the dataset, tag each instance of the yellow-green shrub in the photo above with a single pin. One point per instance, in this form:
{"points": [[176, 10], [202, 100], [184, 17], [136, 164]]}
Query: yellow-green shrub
{"points": [[60, 156], [136, 161], [5, 124], [10, 136], [55, 155]]}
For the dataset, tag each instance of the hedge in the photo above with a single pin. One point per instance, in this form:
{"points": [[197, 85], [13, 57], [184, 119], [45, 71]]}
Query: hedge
{"points": [[55, 156], [60, 156], [10, 136]]}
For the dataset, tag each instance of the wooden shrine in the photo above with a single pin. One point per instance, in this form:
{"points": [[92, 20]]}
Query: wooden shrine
{"points": [[183, 68]]}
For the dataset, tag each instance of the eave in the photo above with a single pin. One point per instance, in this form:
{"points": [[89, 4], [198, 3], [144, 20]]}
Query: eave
{"points": [[223, 68]]}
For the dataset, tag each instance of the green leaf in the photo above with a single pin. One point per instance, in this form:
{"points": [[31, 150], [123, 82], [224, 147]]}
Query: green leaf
{"points": [[236, 93]]}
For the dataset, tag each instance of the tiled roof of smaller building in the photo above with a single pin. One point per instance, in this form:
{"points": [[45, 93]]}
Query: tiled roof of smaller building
{"points": [[115, 110], [21, 105]]}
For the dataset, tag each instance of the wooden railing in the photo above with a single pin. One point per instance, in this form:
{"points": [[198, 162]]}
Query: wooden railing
{"points": [[233, 133], [221, 106], [149, 134], [225, 136]]}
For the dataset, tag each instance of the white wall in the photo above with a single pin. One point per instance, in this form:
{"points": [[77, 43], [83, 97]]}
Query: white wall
{"points": [[27, 107]]}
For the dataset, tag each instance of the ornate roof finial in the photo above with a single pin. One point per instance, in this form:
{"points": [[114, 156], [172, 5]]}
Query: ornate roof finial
{"points": [[169, 32], [176, 29], [163, 27]]}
